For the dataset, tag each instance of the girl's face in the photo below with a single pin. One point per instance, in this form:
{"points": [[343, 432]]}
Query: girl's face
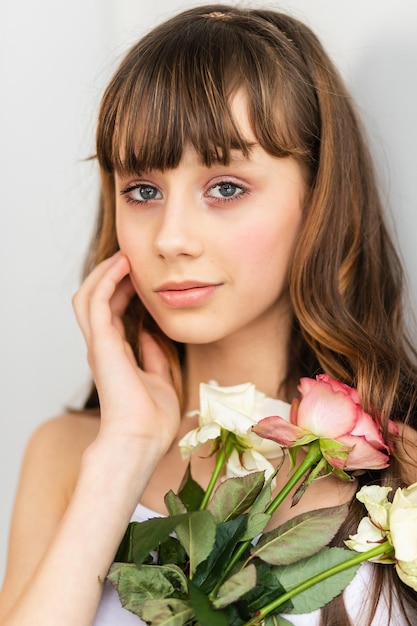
{"points": [[209, 248]]}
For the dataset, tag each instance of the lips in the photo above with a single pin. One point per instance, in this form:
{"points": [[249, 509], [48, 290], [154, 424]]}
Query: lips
{"points": [[186, 294]]}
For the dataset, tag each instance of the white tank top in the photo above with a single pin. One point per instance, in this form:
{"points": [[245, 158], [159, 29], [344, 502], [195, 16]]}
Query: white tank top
{"points": [[356, 596]]}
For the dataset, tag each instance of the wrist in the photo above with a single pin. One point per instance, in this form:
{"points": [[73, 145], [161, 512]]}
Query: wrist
{"points": [[121, 466]]}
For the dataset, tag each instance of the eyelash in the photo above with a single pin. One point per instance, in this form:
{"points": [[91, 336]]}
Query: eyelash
{"points": [[125, 192], [242, 193]]}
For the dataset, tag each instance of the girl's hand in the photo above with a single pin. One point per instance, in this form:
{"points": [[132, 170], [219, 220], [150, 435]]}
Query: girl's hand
{"points": [[133, 402]]}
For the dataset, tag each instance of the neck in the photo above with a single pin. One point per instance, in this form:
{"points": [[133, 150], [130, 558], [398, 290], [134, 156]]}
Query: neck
{"points": [[256, 358]]}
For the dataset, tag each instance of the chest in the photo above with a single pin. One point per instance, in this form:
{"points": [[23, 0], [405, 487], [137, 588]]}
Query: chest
{"points": [[325, 492]]}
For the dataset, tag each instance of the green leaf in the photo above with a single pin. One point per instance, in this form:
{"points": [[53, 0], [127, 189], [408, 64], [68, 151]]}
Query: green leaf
{"points": [[257, 519], [236, 586], [171, 551], [204, 611], [262, 500], [256, 524], [300, 537], [211, 570], [142, 537], [235, 495], [169, 612], [268, 587], [292, 453], [124, 552], [190, 491], [174, 504], [323, 592], [197, 534], [136, 584]]}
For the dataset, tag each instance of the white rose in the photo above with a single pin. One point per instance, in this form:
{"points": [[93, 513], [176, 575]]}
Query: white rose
{"points": [[407, 571], [376, 501], [236, 409], [403, 523], [394, 522], [367, 537]]}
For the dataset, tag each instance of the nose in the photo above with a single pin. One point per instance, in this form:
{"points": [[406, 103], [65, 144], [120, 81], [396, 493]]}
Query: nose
{"points": [[180, 229]]}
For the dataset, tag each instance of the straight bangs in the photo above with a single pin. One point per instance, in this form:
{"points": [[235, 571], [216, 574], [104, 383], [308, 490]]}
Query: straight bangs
{"points": [[175, 89]]}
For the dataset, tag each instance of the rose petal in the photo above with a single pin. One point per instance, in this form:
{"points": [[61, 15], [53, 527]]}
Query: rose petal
{"points": [[265, 406], [403, 523], [393, 428], [306, 384], [197, 437], [363, 455], [326, 413], [408, 573], [279, 430], [229, 419], [336, 386], [270, 449], [367, 537], [249, 461], [368, 428], [375, 498], [241, 398]]}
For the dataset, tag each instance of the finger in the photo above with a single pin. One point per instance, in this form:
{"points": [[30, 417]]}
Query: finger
{"points": [[116, 267], [90, 282], [99, 304], [122, 296], [81, 297], [154, 359]]}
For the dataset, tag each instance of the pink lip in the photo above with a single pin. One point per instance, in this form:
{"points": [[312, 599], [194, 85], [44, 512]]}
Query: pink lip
{"points": [[185, 294]]}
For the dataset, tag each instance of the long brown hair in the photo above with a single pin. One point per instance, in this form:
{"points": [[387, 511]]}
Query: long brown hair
{"points": [[174, 88]]}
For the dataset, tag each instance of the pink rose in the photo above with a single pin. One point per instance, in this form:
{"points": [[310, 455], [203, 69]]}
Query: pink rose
{"points": [[330, 412]]}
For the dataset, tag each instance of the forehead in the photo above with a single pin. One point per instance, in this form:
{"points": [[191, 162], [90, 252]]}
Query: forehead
{"points": [[145, 142], [221, 99], [240, 112]]}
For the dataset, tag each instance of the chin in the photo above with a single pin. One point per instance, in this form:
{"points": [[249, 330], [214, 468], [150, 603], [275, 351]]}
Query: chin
{"points": [[198, 334]]}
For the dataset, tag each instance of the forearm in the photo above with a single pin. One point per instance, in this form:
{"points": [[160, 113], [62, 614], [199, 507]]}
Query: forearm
{"points": [[66, 587]]}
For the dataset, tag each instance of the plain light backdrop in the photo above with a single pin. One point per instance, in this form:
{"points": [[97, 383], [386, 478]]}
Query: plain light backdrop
{"points": [[56, 57]]}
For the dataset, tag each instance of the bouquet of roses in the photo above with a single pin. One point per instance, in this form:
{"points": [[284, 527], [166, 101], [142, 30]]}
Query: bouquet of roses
{"points": [[209, 562]]}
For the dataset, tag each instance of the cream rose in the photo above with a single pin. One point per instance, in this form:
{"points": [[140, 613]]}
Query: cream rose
{"points": [[236, 409], [395, 523]]}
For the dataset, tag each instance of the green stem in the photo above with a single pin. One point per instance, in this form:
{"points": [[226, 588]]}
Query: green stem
{"points": [[383, 548], [312, 457], [221, 458]]}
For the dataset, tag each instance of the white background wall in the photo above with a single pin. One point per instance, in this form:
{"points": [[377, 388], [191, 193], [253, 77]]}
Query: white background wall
{"points": [[55, 59]]}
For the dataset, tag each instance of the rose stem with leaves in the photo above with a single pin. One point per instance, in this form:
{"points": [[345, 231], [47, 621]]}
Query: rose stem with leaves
{"points": [[384, 548], [311, 459]]}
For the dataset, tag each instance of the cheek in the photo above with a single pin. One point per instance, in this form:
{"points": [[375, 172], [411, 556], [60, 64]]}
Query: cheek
{"points": [[131, 240], [134, 248], [261, 245]]}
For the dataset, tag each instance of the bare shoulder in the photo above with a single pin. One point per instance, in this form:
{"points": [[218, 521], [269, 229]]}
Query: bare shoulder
{"points": [[52, 460], [47, 480], [69, 434], [57, 446]]}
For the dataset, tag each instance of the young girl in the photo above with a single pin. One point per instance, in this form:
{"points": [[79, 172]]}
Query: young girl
{"points": [[240, 238]]}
